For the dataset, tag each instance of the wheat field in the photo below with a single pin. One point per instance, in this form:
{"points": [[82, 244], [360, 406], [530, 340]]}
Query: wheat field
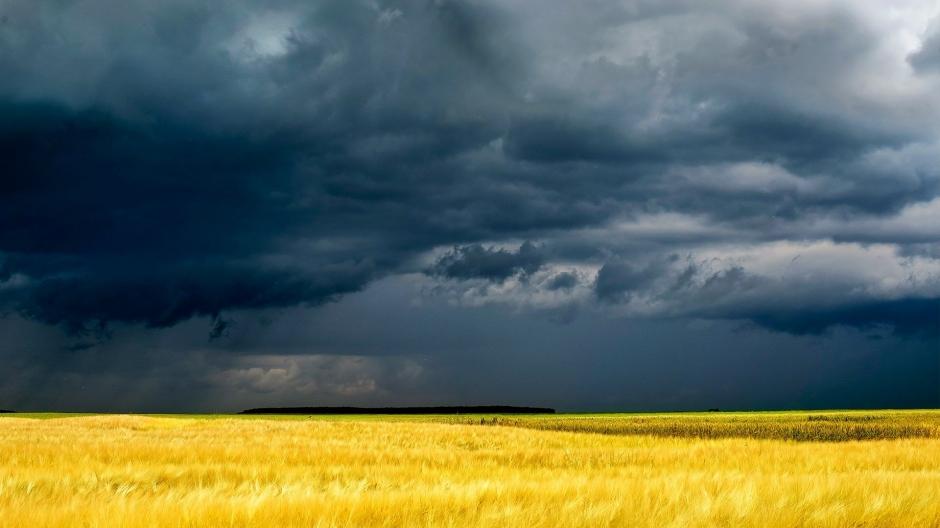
{"points": [[630, 470]]}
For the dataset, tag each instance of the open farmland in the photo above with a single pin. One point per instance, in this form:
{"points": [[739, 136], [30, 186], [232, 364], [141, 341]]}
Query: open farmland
{"points": [[829, 469]]}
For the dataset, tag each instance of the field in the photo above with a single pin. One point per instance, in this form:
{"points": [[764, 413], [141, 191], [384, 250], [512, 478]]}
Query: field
{"points": [[833, 469]]}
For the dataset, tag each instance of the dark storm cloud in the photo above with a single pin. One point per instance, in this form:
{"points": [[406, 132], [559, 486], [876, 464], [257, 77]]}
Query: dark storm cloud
{"points": [[166, 297], [617, 280], [479, 262], [184, 161], [906, 317], [805, 308], [178, 188], [558, 139], [562, 281]]}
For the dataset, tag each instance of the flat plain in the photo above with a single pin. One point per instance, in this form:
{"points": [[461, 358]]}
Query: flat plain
{"points": [[789, 469]]}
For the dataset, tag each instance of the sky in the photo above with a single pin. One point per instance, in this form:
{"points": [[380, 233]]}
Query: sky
{"points": [[596, 205]]}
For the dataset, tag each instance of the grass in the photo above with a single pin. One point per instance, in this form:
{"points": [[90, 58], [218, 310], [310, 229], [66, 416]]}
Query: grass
{"points": [[663, 470]]}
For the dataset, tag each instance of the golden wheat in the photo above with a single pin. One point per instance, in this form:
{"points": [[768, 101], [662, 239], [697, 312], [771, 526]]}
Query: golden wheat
{"points": [[105, 471]]}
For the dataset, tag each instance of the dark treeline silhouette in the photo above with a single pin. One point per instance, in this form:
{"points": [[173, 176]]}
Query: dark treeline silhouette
{"points": [[6, 411], [470, 409]]}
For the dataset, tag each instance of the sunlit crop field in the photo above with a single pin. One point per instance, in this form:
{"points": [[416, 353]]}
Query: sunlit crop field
{"points": [[752, 470]]}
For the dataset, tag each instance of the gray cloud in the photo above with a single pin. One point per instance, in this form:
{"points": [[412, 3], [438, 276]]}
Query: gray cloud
{"points": [[479, 262], [563, 281], [618, 280], [927, 58]]}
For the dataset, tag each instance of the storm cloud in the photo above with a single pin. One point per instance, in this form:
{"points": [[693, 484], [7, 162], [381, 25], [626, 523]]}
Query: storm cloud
{"points": [[478, 262], [775, 164]]}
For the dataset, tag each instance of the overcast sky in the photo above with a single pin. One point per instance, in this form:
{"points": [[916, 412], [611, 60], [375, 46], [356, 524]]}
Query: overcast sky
{"points": [[602, 204]]}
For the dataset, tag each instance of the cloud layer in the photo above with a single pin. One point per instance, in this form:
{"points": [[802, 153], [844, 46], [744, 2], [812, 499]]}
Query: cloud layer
{"points": [[773, 162]]}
